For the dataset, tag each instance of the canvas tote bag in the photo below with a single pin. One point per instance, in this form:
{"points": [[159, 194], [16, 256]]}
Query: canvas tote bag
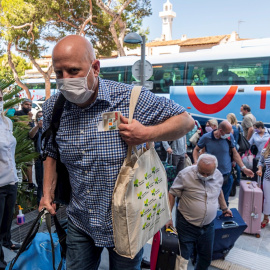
{"points": [[140, 205]]}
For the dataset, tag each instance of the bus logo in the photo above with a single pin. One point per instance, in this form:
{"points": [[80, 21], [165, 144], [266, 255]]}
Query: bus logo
{"points": [[211, 108]]}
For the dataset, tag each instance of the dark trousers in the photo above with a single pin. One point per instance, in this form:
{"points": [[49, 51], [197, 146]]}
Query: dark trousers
{"points": [[39, 179], [202, 238], [8, 196], [227, 186], [82, 254]]}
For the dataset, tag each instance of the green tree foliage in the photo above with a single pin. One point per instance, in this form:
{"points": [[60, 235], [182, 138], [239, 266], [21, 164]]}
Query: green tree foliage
{"points": [[19, 62]]}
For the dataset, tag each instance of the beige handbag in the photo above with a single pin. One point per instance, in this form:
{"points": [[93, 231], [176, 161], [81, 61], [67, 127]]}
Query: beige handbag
{"points": [[195, 137], [140, 205]]}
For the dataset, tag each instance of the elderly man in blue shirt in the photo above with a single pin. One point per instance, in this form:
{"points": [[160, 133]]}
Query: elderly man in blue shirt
{"points": [[94, 158]]}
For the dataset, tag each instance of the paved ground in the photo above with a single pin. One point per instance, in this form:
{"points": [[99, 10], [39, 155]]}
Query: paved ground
{"points": [[249, 252]]}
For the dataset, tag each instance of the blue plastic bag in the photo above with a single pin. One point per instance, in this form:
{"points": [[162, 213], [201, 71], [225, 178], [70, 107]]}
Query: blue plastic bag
{"points": [[37, 250]]}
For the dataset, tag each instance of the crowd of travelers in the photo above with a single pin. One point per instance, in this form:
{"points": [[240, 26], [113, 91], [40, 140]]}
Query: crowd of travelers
{"points": [[93, 159]]}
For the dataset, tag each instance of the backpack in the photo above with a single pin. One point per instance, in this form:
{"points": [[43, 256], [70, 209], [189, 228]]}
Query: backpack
{"points": [[62, 191]]}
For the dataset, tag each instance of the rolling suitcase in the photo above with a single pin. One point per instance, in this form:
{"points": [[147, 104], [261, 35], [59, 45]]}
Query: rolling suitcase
{"points": [[165, 247], [250, 206], [227, 231]]}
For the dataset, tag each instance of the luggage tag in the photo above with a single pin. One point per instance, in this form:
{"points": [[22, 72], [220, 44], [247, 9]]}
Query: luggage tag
{"points": [[110, 121]]}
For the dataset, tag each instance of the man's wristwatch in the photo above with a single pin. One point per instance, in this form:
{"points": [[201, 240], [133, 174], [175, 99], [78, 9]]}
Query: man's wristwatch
{"points": [[243, 167], [225, 209]]}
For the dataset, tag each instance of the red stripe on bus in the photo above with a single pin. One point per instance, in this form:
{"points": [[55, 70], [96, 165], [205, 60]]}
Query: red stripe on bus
{"points": [[211, 108]]}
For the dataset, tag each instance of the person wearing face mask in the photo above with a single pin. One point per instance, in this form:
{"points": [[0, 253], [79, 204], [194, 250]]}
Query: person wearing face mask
{"points": [[166, 81], [93, 156], [196, 210], [8, 180], [259, 139], [221, 144], [248, 120], [211, 125]]}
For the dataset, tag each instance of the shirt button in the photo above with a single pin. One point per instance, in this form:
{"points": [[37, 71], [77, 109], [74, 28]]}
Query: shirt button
{"points": [[83, 152], [90, 211], [85, 172], [82, 131], [88, 191]]}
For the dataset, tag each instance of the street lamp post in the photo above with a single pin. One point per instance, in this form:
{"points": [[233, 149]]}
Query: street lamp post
{"points": [[134, 38]]}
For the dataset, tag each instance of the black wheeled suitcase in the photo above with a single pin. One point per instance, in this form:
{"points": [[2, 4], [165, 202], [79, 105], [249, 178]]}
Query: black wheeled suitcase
{"points": [[227, 231], [165, 247]]}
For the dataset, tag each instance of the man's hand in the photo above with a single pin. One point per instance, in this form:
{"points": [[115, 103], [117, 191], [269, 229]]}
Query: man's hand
{"points": [[40, 123], [169, 151], [248, 172], [30, 115], [259, 172], [169, 224], [48, 204], [134, 133], [227, 213]]}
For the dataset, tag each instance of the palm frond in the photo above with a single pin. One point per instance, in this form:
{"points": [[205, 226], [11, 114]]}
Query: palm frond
{"points": [[4, 83]]}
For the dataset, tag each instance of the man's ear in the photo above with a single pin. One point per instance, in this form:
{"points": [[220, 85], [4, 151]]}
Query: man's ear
{"points": [[96, 67]]}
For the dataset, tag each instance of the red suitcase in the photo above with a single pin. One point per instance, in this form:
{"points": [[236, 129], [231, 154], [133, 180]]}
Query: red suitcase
{"points": [[250, 206]]}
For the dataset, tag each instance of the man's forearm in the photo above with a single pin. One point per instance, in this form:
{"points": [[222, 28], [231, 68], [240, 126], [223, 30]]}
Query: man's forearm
{"points": [[196, 154], [50, 177], [250, 132], [33, 132], [237, 158], [171, 200], [221, 201], [172, 129]]}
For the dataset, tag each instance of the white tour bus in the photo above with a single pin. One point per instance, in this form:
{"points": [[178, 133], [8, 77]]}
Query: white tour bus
{"points": [[209, 83]]}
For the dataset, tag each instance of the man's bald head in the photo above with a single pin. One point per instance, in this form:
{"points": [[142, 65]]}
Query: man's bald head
{"points": [[225, 126], [74, 44]]}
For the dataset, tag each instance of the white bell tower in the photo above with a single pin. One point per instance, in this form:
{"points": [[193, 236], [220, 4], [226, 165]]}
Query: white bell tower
{"points": [[167, 16]]}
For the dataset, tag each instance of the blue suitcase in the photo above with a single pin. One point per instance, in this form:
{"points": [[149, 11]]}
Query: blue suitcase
{"points": [[227, 231]]}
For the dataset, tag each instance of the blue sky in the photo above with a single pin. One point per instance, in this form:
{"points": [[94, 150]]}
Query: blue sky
{"points": [[199, 18]]}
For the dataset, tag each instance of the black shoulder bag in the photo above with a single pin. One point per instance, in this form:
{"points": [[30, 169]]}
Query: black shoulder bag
{"points": [[63, 189], [242, 142]]}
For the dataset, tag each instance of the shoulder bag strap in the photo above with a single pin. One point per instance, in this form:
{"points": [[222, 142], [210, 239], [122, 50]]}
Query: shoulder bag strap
{"points": [[135, 93], [55, 122]]}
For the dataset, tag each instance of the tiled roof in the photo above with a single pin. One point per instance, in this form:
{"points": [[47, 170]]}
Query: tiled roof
{"points": [[189, 41], [163, 43]]}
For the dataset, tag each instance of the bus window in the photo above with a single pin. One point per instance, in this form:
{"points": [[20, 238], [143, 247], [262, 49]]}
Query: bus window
{"points": [[116, 74], [166, 75], [227, 72]]}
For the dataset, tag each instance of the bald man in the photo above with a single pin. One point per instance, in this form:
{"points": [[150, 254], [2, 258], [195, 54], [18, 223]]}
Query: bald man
{"points": [[220, 143], [94, 157]]}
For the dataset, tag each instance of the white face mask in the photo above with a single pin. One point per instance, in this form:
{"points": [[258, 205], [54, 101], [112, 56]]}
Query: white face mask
{"points": [[241, 113], [1, 106], [76, 90], [226, 136], [204, 178]]}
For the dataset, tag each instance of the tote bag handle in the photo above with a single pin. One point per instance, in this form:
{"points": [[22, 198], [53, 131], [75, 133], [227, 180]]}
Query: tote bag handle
{"points": [[135, 93]]}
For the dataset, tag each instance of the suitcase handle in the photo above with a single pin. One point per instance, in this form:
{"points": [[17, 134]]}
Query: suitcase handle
{"points": [[229, 224]]}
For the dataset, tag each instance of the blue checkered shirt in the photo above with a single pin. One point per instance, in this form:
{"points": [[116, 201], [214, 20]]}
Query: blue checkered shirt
{"points": [[93, 158]]}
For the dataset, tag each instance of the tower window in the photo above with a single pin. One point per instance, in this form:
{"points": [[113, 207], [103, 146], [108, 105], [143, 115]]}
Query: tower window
{"points": [[166, 8]]}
